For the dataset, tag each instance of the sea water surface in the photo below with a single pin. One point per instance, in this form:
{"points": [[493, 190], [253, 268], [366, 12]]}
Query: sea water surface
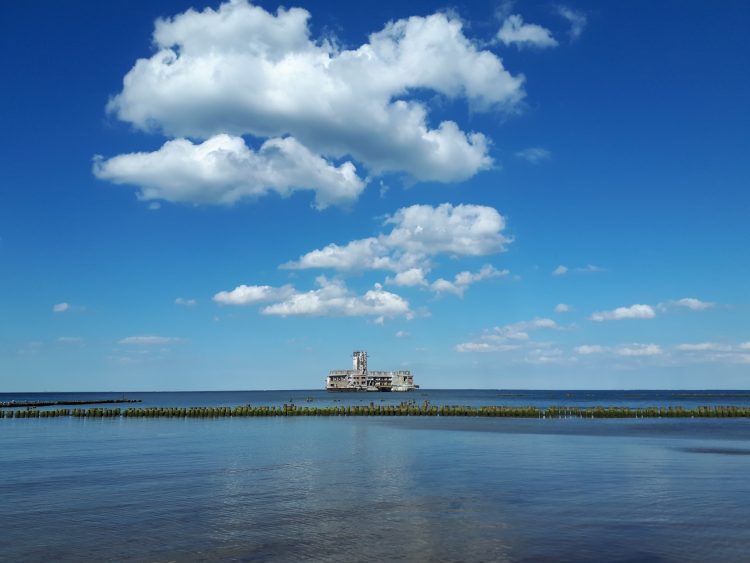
{"points": [[378, 488]]}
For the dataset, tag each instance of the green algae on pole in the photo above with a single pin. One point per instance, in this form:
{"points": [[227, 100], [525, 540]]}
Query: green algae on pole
{"points": [[16, 404], [404, 409]]}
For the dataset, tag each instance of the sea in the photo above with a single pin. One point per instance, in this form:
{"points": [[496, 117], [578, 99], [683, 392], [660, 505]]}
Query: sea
{"points": [[378, 488]]}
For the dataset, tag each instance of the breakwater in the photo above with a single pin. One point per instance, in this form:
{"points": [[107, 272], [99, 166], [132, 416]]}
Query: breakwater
{"points": [[16, 404], [404, 409]]}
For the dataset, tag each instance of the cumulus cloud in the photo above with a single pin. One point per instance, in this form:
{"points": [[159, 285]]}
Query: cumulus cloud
{"points": [[419, 232], [402, 334], [185, 302], [507, 337], [333, 298], [463, 280], [576, 19], [562, 308], [408, 278], [515, 32], [636, 311], [250, 294], [560, 270], [223, 170], [534, 155], [61, 307], [148, 340], [241, 70]]}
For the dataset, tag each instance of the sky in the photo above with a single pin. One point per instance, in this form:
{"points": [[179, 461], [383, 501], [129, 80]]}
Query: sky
{"points": [[533, 195]]}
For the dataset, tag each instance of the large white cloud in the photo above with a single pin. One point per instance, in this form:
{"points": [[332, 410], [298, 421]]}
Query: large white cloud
{"points": [[515, 32], [241, 70], [419, 232], [223, 170]]}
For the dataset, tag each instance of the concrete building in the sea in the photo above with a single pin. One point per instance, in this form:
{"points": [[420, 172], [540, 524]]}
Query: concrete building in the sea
{"points": [[360, 379]]}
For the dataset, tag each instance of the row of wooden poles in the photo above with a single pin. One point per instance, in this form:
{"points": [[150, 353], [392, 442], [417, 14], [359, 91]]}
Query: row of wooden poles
{"points": [[389, 410]]}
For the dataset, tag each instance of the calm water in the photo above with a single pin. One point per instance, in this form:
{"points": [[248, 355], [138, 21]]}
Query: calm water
{"points": [[369, 488]]}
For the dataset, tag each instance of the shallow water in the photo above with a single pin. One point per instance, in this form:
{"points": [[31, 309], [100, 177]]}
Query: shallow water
{"points": [[370, 488]]}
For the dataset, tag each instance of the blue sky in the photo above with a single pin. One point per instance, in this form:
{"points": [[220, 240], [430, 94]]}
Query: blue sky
{"points": [[494, 195]]}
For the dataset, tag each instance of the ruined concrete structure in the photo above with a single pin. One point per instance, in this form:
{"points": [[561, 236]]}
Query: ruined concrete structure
{"points": [[359, 378]]}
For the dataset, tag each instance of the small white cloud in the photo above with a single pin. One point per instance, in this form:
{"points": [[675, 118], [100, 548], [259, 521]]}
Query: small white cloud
{"points": [[515, 32], [576, 19], [587, 269], [250, 294], [485, 347], [148, 340], [402, 334], [61, 307], [185, 302], [562, 308], [534, 155], [704, 347], [588, 349], [408, 278], [507, 337], [715, 353], [546, 355], [637, 311], [70, 339], [625, 350], [30, 348], [693, 304], [638, 350], [463, 280]]}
